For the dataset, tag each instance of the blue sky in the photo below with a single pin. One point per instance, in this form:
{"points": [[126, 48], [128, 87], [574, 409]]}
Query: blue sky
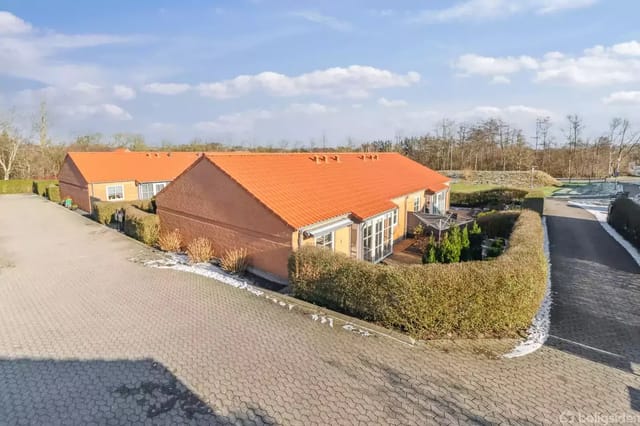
{"points": [[267, 71]]}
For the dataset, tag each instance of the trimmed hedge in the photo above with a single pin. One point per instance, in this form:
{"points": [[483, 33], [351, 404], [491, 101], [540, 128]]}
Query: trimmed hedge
{"points": [[16, 186], [53, 193], [534, 200], [103, 211], [624, 217], [40, 186], [469, 299], [141, 225], [497, 224], [488, 198]]}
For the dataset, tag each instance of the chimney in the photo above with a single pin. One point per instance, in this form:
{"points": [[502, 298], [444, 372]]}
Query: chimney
{"points": [[336, 158]]}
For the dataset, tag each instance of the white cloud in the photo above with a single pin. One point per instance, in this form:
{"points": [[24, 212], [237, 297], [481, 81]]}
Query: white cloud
{"points": [[486, 65], [480, 10], [87, 88], [500, 79], [392, 103], [596, 66], [34, 54], [319, 18], [310, 109], [123, 92], [623, 97], [109, 111], [11, 24], [355, 81], [511, 112], [166, 88]]}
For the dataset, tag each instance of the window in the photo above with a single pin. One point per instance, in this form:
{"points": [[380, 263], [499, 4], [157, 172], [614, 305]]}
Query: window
{"points": [[377, 237], [150, 190], [416, 204], [115, 192], [394, 217], [325, 240]]}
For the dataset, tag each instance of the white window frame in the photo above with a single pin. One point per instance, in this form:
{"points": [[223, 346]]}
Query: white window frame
{"points": [[162, 185], [115, 186], [394, 217], [416, 204], [333, 240], [375, 247], [154, 187]]}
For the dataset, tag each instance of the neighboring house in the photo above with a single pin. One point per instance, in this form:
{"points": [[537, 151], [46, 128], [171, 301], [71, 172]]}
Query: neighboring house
{"points": [[271, 204], [119, 175]]}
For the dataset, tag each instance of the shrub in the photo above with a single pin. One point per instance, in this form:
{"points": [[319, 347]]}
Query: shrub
{"points": [[497, 224], [488, 198], [235, 261], [40, 186], [53, 193], [141, 225], [103, 211], [475, 242], [16, 186], [624, 217], [170, 240], [470, 299], [200, 250], [534, 200]]}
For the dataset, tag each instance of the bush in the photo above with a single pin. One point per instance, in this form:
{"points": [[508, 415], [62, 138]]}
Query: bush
{"points": [[103, 211], [497, 224], [624, 217], [40, 186], [170, 241], [488, 198], [16, 186], [534, 200], [470, 299], [235, 261], [141, 225], [53, 193], [200, 250]]}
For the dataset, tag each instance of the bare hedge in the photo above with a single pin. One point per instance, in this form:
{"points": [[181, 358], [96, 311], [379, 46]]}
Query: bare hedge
{"points": [[469, 299]]}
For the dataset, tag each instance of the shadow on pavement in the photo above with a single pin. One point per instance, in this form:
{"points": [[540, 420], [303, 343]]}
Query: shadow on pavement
{"points": [[47, 391], [634, 397]]}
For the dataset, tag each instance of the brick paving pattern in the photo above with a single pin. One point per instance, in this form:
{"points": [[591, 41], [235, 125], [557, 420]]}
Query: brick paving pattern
{"points": [[89, 337]]}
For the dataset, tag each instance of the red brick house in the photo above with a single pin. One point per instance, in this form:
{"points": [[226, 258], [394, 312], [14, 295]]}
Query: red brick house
{"points": [[271, 204]]}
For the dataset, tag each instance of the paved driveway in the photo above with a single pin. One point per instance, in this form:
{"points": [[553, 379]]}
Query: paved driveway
{"points": [[87, 336], [596, 310]]}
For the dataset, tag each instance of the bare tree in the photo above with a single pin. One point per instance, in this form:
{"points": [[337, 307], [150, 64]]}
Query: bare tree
{"points": [[623, 141], [10, 145], [574, 135]]}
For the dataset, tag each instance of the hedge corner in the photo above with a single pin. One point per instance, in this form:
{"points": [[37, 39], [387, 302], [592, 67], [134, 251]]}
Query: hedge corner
{"points": [[534, 200]]}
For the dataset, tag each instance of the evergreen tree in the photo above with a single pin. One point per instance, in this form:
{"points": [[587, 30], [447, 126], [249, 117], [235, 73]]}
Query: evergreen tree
{"points": [[429, 255], [465, 254], [475, 242]]}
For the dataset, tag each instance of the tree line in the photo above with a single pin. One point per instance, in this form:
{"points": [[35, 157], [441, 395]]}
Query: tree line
{"points": [[489, 144]]}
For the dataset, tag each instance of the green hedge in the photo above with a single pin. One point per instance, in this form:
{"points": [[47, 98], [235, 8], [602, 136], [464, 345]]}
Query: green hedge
{"points": [[469, 299], [497, 224], [53, 193], [488, 198], [534, 200], [624, 217], [40, 186], [103, 211], [16, 186], [141, 225]]}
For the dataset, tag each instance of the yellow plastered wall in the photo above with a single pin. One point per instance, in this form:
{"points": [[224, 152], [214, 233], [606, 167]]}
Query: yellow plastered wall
{"points": [[100, 190], [405, 204], [341, 240]]}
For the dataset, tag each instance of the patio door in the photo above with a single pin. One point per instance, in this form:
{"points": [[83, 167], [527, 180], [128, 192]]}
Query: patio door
{"points": [[377, 238]]}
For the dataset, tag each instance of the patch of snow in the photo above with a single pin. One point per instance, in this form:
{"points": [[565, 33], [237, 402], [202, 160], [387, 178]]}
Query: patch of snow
{"points": [[601, 217], [538, 332]]}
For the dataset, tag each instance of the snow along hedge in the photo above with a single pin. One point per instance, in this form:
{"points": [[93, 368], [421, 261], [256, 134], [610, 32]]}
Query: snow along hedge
{"points": [[470, 299]]}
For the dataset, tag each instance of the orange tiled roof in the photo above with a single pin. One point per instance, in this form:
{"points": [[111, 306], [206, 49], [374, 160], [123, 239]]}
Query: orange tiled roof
{"points": [[123, 165], [303, 191]]}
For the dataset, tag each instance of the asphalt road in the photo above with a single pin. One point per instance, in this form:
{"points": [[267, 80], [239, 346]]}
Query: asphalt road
{"points": [[596, 285]]}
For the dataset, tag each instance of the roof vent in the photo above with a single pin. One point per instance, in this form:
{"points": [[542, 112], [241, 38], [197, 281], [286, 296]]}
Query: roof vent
{"points": [[336, 158], [168, 154], [157, 155]]}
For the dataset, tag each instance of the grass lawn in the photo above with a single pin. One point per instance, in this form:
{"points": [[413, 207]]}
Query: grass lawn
{"points": [[468, 187]]}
